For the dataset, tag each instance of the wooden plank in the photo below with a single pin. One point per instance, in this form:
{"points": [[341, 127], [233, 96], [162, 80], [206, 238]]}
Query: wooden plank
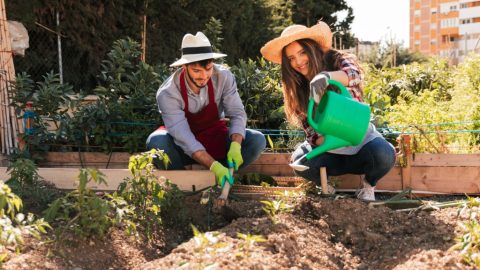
{"points": [[122, 157], [100, 165], [273, 158], [451, 160], [65, 178], [392, 181], [87, 157], [457, 180], [273, 170]]}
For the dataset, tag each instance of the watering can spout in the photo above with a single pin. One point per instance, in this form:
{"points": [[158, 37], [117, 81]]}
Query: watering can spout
{"points": [[330, 143]]}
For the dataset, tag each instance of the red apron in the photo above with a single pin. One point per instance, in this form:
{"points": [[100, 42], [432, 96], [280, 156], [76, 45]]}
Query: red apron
{"points": [[207, 127]]}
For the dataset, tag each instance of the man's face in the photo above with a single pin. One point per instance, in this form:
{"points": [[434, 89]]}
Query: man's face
{"points": [[197, 75]]}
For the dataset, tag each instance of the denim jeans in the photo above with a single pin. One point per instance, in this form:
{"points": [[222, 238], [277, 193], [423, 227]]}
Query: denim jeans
{"points": [[252, 146], [375, 160]]}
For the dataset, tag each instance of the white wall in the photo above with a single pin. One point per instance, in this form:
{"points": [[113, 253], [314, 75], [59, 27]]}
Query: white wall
{"points": [[469, 28], [472, 12]]}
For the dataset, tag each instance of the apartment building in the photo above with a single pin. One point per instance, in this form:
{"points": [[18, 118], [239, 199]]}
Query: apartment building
{"points": [[448, 28]]}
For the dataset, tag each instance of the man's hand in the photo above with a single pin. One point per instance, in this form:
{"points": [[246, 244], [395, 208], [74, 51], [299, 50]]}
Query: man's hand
{"points": [[221, 173], [318, 85], [234, 155]]}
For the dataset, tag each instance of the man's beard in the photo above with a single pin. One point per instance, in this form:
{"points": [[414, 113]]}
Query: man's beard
{"points": [[193, 81]]}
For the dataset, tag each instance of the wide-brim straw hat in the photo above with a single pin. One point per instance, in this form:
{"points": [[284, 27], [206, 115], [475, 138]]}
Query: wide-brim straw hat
{"points": [[196, 48], [320, 33]]}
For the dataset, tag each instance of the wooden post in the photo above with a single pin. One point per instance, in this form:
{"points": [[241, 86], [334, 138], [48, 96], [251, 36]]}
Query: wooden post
{"points": [[8, 119], [323, 180], [405, 141]]}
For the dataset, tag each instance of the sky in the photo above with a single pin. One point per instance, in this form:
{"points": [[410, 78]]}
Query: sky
{"points": [[377, 20]]}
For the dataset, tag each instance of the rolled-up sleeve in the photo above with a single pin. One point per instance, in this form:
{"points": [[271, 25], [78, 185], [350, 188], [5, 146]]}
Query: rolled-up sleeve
{"points": [[352, 71], [171, 107], [354, 74], [233, 106]]}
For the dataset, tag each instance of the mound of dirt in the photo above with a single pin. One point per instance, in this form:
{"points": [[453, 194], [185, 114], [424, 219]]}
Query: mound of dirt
{"points": [[320, 233]]}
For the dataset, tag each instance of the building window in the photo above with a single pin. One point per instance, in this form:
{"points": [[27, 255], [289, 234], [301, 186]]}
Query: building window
{"points": [[447, 23], [433, 26], [433, 10], [416, 28], [433, 41], [417, 42], [416, 12], [463, 5], [465, 21], [453, 7]]}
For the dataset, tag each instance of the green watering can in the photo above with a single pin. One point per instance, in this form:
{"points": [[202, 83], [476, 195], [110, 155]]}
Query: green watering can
{"points": [[340, 119]]}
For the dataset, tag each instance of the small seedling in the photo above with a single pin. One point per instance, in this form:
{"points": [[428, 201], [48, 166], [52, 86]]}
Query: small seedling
{"points": [[249, 241], [274, 207]]}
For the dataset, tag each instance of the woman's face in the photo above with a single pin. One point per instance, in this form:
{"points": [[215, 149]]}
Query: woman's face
{"points": [[297, 57]]}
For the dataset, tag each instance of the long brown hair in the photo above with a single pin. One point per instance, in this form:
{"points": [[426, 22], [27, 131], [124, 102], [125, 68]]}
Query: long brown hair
{"points": [[296, 87]]}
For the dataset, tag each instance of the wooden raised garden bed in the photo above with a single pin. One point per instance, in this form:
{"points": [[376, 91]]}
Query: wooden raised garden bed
{"points": [[424, 173]]}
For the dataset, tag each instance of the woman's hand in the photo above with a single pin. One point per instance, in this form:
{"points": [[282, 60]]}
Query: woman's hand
{"points": [[318, 85], [319, 141]]}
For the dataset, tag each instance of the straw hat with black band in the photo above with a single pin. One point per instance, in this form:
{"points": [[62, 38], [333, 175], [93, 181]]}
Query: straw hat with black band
{"points": [[320, 33], [196, 48]]}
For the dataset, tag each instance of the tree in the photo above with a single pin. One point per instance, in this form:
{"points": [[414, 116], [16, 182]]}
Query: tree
{"points": [[308, 12]]}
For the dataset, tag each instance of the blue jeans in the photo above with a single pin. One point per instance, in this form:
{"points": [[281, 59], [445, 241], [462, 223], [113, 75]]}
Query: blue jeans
{"points": [[252, 146], [375, 160]]}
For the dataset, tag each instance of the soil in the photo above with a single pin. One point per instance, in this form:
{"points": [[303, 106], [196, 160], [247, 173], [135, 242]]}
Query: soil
{"points": [[320, 233]]}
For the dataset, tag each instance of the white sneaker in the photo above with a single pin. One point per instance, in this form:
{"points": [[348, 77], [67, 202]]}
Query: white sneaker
{"points": [[367, 193]]}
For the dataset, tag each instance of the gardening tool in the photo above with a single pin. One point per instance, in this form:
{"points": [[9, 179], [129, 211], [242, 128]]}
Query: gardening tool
{"points": [[228, 183], [341, 120]]}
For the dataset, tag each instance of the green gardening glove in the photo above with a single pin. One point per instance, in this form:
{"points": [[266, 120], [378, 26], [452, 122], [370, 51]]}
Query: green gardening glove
{"points": [[221, 173], [234, 156]]}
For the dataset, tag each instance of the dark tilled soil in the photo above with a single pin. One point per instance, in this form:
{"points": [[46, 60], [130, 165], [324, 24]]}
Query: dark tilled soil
{"points": [[321, 233]]}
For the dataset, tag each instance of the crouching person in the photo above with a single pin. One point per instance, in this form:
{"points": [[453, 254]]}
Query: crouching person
{"points": [[193, 102]]}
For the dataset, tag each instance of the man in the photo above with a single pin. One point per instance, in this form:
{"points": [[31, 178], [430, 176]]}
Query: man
{"points": [[193, 101]]}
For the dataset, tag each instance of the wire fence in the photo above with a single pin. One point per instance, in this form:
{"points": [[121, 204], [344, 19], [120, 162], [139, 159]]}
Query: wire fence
{"points": [[51, 52]]}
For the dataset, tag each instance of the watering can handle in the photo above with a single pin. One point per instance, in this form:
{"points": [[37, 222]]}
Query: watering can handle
{"points": [[343, 91]]}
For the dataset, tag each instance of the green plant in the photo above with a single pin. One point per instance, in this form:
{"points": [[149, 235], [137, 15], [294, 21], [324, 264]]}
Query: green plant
{"points": [[82, 212], [259, 86], [255, 179], [469, 242], [414, 98], [25, 181], [154, 200], [274, 207], [249, 241], [13, 224], [206, 244]]}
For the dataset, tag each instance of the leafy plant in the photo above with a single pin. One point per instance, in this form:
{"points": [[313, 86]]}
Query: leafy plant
{"points": [[468, 242], [259, 86], [255, 179], [274, 207], [249, 241], [413, 99], [81, 211], [13, 224], [153, 199], [206, 244], [25, 181]]}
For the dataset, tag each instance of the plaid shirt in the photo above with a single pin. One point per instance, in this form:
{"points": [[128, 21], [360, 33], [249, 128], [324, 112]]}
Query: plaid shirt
{"points": [[350, 67]]}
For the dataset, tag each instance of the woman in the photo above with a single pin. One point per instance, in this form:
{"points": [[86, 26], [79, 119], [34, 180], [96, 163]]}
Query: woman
{"points": [[308, 61]]}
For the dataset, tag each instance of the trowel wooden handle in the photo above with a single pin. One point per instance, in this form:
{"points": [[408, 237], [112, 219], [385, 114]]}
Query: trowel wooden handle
{"points": [[226, 187]]}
